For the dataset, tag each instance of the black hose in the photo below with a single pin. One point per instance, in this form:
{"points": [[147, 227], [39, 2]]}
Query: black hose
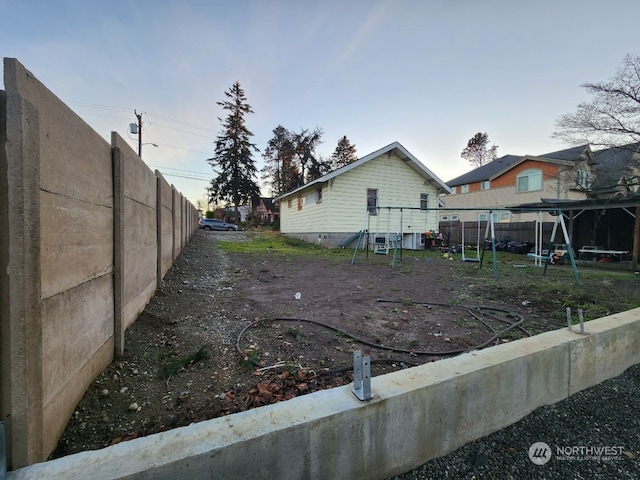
{"points": [[476, 312]]}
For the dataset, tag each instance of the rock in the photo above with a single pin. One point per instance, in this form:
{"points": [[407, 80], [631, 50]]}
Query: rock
{"points": [[104, 393], [134, 407], [124, 389]]}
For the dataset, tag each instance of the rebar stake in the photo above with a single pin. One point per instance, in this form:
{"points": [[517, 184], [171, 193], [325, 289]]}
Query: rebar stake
{"points": [[581, 320], [361, 376]]}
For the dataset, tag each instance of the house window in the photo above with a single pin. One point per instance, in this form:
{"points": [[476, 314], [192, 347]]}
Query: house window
{"points": [[372, 201], [453, 218], [424, 201], [289, 203], [497, 217], [300, 202], [319, 195], [529, 181], [485, 185], [584, 179], [464, 188]]}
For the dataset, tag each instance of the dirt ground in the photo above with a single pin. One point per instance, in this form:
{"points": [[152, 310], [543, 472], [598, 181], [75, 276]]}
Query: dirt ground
{"points": [[227, 332]]}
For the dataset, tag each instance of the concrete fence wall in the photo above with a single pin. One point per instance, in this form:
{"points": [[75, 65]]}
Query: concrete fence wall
{"points": [[87, 233], [416, 414]]}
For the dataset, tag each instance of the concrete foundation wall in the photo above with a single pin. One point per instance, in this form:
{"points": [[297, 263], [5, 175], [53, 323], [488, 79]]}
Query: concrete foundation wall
{"points": [[416, 415], [78, 253]]}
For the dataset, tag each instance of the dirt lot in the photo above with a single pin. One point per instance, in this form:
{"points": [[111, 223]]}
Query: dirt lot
{"points": [[228, 332]]}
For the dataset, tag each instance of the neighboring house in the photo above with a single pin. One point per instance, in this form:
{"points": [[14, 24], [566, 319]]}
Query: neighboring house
{"points": [[515, 180], [617, 172], [387, 192], [230, 214], [266, 211]]}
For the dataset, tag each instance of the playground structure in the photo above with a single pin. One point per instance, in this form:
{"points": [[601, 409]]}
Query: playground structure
{"points": [[394, 229]]}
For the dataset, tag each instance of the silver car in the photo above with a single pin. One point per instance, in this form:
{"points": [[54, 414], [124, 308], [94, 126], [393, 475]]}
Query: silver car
{"points": [[215, 224]]}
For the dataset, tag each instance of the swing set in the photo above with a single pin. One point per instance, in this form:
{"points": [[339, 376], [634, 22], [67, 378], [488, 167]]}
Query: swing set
{"points": [[382, 242], [392, 238]]}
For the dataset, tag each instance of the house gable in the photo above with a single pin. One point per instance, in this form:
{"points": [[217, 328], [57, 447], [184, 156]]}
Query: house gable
{"points": [[512, 180], [337, 202]]}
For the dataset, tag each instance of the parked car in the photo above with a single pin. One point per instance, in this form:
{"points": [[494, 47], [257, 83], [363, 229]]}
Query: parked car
{"points": [[215, 224]]}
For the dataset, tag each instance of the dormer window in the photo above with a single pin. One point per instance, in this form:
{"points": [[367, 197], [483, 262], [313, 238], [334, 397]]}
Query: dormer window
{"points": [[583, 179]]}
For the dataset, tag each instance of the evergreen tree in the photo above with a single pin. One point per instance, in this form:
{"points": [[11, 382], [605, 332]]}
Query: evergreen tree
{"points": [[305, 145], [233, 156], [281, 172], [344, 154], [478, 152]]}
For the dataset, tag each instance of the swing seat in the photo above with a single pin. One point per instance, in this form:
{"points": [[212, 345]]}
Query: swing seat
{"points": [[471, 260]]}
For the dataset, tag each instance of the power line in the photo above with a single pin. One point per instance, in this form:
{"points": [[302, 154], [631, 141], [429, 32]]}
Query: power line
{"points": [[185, 176], [178, 169]]}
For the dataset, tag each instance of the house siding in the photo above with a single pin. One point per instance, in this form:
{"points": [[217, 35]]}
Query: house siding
{"points": [[344, 202], [502, 192]]}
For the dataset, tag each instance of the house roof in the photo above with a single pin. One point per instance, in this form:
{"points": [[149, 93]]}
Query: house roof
{"points": [[269, 204], [613, 164], [393, 148], [492, 169]]}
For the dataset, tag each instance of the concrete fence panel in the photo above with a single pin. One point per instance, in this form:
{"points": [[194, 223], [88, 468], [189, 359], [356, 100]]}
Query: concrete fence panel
{"points": [[139, 245], [165, 227], [79, 257], [177, 222], [61, 262]]}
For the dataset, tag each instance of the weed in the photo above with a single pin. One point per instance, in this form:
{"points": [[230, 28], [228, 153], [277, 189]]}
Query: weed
{"points": [[172, 368], [250, 361], [294, 332]]}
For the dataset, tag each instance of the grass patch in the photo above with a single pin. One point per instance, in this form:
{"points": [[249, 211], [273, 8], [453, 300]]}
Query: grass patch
{"points": [[172, 368], [268, 241]]}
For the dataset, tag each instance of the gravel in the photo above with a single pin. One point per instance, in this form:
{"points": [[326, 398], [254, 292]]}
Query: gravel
{"points": [[594, 434]]}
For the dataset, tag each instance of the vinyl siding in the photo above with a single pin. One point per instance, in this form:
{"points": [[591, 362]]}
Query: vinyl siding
{"points": [[312, 217], [344, 201]]}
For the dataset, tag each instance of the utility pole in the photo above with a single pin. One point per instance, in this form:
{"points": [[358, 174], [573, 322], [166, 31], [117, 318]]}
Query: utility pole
{"points": [[139, 117]]}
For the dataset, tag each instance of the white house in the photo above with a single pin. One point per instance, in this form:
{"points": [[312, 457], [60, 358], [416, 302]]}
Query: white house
{"points": [[388, 193]]}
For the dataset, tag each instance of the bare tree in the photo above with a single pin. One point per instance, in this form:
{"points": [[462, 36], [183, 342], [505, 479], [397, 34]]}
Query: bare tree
{"points": [[612, 118], [478, 152]]}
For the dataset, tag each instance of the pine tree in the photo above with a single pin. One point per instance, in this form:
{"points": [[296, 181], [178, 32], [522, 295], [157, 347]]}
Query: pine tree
{"points": [[233, 156], [344, 154]]}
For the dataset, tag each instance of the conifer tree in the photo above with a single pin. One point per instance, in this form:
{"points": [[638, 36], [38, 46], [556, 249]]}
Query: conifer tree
{"points": [[344, 154], [233, 158]]}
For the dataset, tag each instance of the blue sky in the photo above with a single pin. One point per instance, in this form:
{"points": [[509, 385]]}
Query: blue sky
{"points": [[429, 74]]}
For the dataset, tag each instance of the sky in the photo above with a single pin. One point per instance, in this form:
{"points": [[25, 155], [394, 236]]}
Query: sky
{"points": [[429, 74]]}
